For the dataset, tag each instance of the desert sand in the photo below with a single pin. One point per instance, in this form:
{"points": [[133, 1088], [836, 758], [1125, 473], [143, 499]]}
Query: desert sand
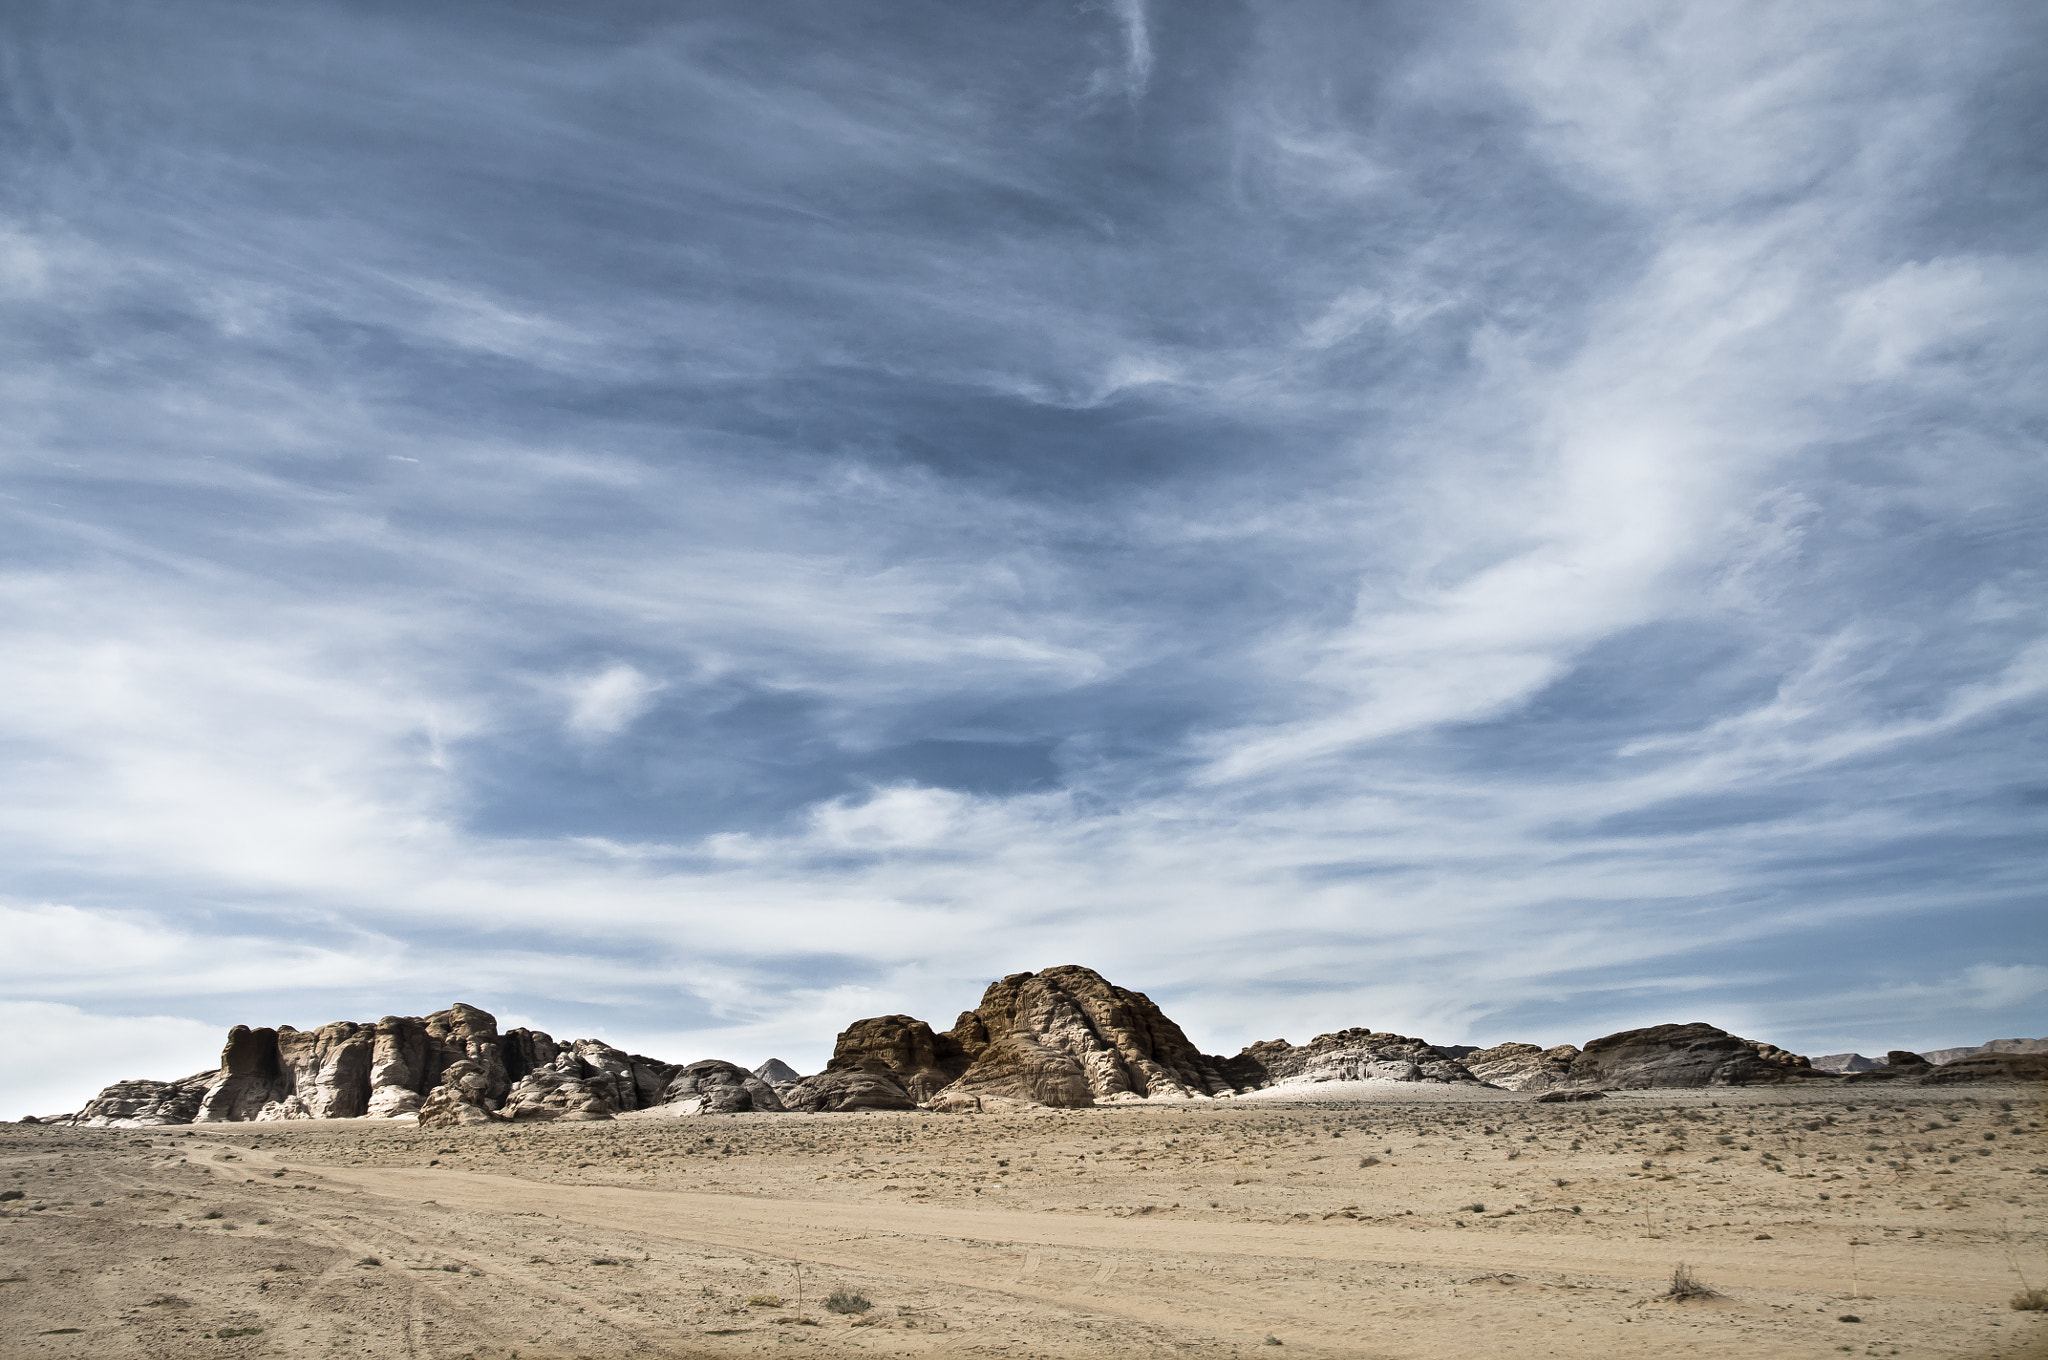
{"points": [[1391, 1221]]}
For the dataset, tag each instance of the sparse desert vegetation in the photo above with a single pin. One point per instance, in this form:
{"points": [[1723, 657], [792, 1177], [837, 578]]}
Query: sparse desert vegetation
{"points": [[1722, 1223]]}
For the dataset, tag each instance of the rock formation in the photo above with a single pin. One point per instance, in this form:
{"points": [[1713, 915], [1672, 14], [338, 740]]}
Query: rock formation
{"points": [[145, 1104], [552, 1093], [461, 1098], [1522, 1067], [714, 1087], [1681, 1056], [1349, 1055], [1843, 1063], [1949, 1055], [831, 1092], [1067, 1037], [776, 1072], [903, 1049], [1989, 1067]]}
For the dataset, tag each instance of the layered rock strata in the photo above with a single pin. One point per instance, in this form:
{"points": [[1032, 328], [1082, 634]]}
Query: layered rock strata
{"points": [[145, 1104], [1068, 1037], [1522, 1067], [1350, 1055], [1677, 1056]]}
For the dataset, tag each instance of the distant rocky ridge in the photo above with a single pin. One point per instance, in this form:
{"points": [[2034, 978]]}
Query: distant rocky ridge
{"points": [[1065, 1037]]}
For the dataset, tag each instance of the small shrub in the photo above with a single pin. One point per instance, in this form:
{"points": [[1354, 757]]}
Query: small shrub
{"points": [[211, 1213], [1368, 1161], [843, 1300], [1684, 1285], [1848, 1317], [6, 1195], [603, 1261], [227, 1332], [369, 1261], [2031, 1301], [765, 1301]]}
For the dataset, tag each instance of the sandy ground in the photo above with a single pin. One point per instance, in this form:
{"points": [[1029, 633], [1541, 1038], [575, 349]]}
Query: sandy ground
{"points": [[1412, 1223]]}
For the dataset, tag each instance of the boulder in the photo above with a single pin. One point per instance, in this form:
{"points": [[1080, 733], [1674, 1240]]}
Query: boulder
{"points": [[1068, 1037], [328, 1068], [1521, 1067], [146, 1104], [1353, 1055], [721, 1088], [776, 1072], [905, 1050], [1988, 1067], [832, 1092], [554, 1093], [1666, 1056], [460, 1098]]}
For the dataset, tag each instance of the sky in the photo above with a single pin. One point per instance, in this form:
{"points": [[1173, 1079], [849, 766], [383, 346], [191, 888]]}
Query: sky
{"points": [[695, 524]]}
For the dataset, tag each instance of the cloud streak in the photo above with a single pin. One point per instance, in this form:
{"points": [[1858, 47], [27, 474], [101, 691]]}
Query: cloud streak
{"points": [[1505, 523]]}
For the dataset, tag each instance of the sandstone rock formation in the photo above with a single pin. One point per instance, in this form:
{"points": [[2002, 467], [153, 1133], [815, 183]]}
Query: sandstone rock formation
{"points": [[1350, 1055], [1682, 1056], [558, 1092], [903, 1049], [1067, 1037], [460, 1098], [1522, 1067], [776, 1072], [831, 1092], [715, 1087], [146, 1104]]}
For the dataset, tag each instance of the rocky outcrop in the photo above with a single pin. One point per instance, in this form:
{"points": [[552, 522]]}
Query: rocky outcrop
{"points": [[553, 1093], [1666, 1056], [527, 1051], [903, 1049], [1844, 1063], [146, 1104], [776, 1072], [1353, 1055], [1522, 1067], [1949, 1055], [1988, 1067], [833, 1092], [328, 1068], [714, 1087], [1068, 1037], [251, 1076], [461, 1098]]}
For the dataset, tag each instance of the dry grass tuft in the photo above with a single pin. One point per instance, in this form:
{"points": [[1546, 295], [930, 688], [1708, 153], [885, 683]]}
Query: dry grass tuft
{"points": [[2031, 1301], [1685, 1285]]}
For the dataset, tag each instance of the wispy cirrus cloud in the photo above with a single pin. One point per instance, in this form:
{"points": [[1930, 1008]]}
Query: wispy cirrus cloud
{"points": [[1496, 523]]}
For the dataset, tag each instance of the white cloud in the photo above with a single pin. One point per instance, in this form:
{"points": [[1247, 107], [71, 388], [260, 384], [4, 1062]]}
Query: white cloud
{"points": [[607, 703]]}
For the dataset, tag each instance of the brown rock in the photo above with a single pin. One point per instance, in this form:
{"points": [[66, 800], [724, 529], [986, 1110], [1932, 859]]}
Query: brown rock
{"points": [[250, 1077], [715, 1087], [146, 1104], [1684, 1056], [329, 1068], [460, 1098], [903, 1049], [552, 1093], [1068, 1037], [398, 1067], [464, 1033], [527, 1050], [829, 1092], [1989, 1067]]}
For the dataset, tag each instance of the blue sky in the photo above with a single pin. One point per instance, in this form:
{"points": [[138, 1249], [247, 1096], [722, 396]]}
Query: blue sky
{"points": [[695, 524]]}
